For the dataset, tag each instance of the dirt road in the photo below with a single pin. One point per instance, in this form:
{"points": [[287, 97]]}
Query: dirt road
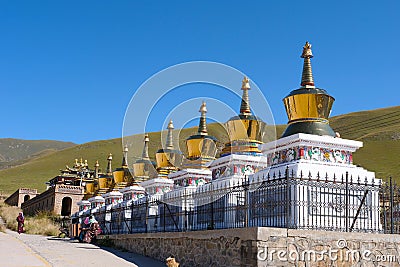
{"points": [[34, 250]]}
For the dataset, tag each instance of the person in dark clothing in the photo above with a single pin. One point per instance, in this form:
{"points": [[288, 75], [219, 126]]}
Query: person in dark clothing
{"points": [[93, 231], [21, 223], [85, 227]]}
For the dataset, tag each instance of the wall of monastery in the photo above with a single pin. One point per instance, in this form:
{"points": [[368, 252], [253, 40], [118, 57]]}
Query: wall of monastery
{"points": [[262, 246], [20, 196], [52, 200]]}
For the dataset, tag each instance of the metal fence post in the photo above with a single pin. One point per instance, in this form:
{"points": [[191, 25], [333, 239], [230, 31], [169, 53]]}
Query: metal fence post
{"points": [[131, 228], [391, 206], [246, 204], [383, 194], [146, 215], [347, 202], [287, 197], [212, 208], [165, 211]]}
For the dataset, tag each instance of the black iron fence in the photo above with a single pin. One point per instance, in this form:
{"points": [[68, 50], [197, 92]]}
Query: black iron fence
{"points": [[344, 203]]}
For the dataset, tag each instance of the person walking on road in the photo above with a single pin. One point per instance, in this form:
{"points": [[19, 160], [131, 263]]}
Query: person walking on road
{"points": [[21, 222]]}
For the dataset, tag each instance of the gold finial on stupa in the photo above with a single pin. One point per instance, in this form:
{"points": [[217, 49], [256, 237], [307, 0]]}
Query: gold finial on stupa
{"points": [[96, 169], [245, 83], [169, 143], [125, 156], [307, 76], [145, 153], [203, 124], [109, 165], [245, 105], [307, 53]]}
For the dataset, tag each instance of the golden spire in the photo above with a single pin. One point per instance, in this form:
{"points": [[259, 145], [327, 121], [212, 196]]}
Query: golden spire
{"points": [[203, 124], [168, 159], [201, 147], [245, 131], [308, 107], [145, 153], [245, 105], [109, 165], [169, 143], [125, 156], [307, 76], [96, 169]]}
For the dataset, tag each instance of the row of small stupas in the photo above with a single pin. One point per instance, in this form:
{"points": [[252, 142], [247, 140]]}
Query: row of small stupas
{"points": [[245, 131], [308, 146]]}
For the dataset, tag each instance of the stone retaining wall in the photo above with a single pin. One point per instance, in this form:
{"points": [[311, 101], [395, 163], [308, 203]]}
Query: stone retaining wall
{"points": [[262, 246]]}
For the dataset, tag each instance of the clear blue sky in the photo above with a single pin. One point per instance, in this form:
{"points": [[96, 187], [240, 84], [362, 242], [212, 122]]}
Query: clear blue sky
{"points": [[69, 68]]}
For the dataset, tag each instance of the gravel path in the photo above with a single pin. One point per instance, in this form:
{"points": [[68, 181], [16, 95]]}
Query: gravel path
{"points": [[35, 250]]}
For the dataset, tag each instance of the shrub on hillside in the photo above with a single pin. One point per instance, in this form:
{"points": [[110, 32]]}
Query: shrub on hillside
{"points": [[9, 215], [40, 224]]}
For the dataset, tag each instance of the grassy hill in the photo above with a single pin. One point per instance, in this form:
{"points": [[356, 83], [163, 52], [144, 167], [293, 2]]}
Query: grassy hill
{"points": [[378, 129], [17, 151]]}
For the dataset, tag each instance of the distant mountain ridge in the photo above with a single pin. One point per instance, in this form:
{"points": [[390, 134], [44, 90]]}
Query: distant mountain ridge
{"points": [[17, 151], [379, 130]]}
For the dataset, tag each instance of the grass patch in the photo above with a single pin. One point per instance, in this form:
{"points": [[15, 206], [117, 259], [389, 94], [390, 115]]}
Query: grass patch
{"points": [[40, 224]]}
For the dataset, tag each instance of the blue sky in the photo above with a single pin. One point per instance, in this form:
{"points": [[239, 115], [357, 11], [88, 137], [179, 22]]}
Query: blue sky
{"points": [[68, 69]]}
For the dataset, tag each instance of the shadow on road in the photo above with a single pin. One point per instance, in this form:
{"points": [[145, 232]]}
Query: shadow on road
{"points": [[139, 260]]}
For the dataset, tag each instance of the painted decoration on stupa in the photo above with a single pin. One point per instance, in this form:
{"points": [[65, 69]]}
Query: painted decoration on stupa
{"points": [[242, 170], [311, 153]]}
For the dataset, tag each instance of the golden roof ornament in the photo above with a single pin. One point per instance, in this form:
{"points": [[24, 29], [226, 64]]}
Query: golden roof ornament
{"points": [[169, 143], [307, 53], [307, 78], [202, 124], [145, 153], [109, 165], [96, 169], [245, 105], [245, 83], [125, 156]]}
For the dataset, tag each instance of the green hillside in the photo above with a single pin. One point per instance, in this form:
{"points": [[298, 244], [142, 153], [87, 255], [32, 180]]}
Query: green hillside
{"points": [[378, 129], [17, 151], [36, 172]]}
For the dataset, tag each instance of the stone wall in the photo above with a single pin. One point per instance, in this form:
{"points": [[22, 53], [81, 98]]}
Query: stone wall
{"points": [[52, 199], [19, 196], [262, 246]]}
